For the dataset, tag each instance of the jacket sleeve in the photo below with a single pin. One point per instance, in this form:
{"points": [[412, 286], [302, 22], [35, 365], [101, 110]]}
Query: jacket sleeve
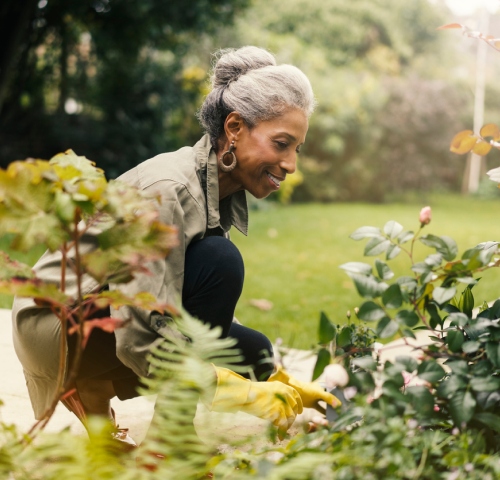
{"points": [[144, 328]]}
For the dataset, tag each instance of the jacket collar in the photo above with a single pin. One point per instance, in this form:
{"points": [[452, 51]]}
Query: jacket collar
{"points": [[232, 210]]}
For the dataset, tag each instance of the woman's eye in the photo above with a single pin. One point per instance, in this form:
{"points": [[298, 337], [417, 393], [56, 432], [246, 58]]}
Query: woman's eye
{"points": [[282, 145], [297, 150]]}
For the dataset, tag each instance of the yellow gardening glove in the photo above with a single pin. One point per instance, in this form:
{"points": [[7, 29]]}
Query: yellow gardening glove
{"points": [[311, 393], [276, 402]]}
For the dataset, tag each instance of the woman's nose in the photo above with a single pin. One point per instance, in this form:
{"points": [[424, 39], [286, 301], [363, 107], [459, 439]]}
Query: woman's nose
{"points": [[289, 163]]}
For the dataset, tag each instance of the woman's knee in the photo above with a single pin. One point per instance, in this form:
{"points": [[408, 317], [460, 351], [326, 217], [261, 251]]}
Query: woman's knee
{"points": [[256, 350]]}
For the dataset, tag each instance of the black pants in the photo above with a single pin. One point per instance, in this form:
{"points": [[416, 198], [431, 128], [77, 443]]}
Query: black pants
{"points": [[213, 281]]}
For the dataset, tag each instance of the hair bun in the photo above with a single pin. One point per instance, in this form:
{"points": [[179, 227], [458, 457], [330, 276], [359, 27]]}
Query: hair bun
{"points": [[233, 63]]}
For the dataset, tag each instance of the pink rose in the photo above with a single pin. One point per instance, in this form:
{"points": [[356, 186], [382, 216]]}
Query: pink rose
{"points": [[425, 216], [335, 376]]}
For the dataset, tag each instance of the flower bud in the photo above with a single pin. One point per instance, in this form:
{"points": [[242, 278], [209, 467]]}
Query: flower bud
{"points": [[425, 216], [335, 376]]}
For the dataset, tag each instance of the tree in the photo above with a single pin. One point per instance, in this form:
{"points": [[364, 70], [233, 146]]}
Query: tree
{"points": [[375, 67], [102, 77]]}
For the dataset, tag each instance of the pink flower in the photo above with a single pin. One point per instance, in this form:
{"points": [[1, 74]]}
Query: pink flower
{"points": [[335, 376], [406, 377], [425, 216]]}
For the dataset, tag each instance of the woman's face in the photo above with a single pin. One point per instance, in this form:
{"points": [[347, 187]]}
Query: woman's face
{"points": [[267, 152]]}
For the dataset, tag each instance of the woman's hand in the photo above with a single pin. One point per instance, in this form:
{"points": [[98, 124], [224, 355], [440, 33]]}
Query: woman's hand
{"points": [[275, 401], [311, 393]]}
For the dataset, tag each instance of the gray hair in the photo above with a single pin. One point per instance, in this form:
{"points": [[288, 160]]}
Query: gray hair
{"points": [[248, 81]]}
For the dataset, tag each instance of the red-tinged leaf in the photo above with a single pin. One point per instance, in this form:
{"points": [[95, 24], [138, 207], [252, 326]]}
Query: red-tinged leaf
{"points": [[10, 268], [482, 148], [117, 299], [490, 130], [451, 25], [463, 142], [36, 289], [107, 324]]}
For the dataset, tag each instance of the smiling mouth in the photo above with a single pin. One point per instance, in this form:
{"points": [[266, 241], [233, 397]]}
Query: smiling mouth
{"points": [[274, 179]]}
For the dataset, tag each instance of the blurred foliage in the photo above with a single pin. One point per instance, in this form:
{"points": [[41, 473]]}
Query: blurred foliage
{"points": [[384, 118], [104, 77], [103, 232], [132, 77]]}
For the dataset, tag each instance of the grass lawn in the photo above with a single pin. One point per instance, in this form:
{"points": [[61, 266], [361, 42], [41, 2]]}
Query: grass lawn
{"points": [[292, 257]]}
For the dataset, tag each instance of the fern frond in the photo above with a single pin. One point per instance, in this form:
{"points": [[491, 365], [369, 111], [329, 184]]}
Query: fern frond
{"points": [[182, 373]]}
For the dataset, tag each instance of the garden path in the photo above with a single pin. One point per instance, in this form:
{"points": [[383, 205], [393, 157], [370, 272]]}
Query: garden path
{"points": [[136, 413]]}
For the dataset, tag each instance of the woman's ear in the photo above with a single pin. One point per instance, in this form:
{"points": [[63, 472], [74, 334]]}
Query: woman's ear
{"points": [[233, 125]]}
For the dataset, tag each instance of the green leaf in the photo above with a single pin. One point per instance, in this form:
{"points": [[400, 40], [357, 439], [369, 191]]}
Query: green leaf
{"points": [[392, 297], [489, 420], [392, 390], [383, 270], [392, 229], [344, 337], [443, 245], [327, 330], [376, 245], [421, 267], [407, 332], [362, 380], [430, 371], [466, 303], [442, 295], [458, 319], [407, 283], [387, 328], [421, 400], [409, 363], [392, 252], [370, 312], [479, 329], [366, 363], [322, 361], [480, 255], [493, 352], [368, 286], [494, 310], [365, 232], [485, 384], [434, 259], [357, 267], [460, 367], [407, 318], [455, 340], [462, 405], [452, 384], [471, 347], [435, 318], [404, 237]]}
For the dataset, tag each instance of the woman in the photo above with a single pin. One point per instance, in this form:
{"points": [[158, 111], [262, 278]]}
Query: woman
{"points": [[256, 120]]}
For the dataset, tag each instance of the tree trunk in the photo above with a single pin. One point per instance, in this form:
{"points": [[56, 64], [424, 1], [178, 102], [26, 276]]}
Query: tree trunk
{"points": [[15, 18]]}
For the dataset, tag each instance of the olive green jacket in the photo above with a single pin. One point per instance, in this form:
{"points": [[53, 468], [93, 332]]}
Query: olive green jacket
{"points": [[187, 181]]}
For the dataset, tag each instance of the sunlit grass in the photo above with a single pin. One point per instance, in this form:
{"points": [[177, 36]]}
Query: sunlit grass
{"points": [[292, 257]]}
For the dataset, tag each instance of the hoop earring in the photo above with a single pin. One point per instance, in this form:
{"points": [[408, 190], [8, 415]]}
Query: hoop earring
{"points": [[222, 165]]}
